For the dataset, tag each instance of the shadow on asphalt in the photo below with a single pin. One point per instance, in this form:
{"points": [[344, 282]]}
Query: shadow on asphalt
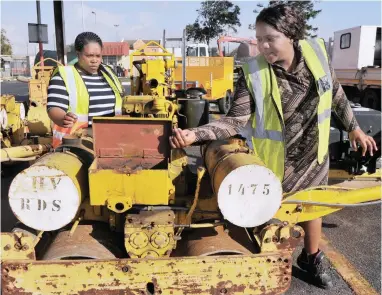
{"points": [[329, 225]]}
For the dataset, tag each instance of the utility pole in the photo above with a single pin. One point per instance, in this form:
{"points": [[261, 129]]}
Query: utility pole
{"points": [[83, 22], [116, 31], [39, 32], [95, 17], [58, 8], [184, 83]]}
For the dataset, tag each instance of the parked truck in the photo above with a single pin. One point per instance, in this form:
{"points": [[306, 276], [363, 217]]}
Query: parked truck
{"points": [[356, 58]]}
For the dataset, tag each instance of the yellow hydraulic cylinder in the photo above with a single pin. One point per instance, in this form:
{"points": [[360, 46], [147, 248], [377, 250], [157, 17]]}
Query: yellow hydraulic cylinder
{"points": [[248, 193], [47, 195], [24, 152]]}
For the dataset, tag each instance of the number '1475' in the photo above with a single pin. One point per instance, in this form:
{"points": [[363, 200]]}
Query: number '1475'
{"points": [[241, 189]]}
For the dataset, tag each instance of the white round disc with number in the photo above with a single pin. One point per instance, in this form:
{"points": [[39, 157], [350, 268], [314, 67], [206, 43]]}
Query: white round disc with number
{"points": [[44, 198], [250, 196]]}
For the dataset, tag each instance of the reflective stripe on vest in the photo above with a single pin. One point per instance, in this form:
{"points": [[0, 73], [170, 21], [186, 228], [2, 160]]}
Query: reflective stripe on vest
{"points": [[71, 88], [325, 65], [76, 88], [267, 120], [115, 79], [260, 131]]}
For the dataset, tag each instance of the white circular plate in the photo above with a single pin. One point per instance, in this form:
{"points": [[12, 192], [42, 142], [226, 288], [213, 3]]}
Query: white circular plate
{"points": [[44, 198], [250, 196], [22, 111], [3, 118]]}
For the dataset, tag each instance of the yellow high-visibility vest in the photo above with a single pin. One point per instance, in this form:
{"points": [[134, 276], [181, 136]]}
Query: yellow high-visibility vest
{"points": [[266, 126], [79, 97]]}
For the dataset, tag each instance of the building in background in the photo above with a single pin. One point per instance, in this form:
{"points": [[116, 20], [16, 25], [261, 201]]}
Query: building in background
{"points": [[13, 66], [116, 55], [5, 71]]}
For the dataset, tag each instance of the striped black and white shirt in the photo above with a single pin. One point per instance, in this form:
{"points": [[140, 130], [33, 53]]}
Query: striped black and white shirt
{"points": [[102, 98]]}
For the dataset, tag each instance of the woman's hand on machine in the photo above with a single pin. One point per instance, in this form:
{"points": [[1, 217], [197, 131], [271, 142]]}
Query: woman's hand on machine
{"points": [[182, 138], [69, 120]]}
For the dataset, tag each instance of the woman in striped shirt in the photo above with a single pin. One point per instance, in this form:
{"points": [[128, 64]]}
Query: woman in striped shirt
{"points": [[101, 91]]}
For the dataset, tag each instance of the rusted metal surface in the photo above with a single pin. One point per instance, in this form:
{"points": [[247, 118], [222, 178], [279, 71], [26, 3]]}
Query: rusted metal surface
{"points": [[136, 138], [150, 234], [94, 241], [215, 241], [278, 237], [128, 165], [264, 274], [25, 151], [17, 245], [346, 270]]}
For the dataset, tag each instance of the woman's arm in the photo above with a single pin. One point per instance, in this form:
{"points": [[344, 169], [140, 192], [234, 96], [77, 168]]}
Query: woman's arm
{"points": [[58, 103], [230, 125], [341, 105], [236, 118]]}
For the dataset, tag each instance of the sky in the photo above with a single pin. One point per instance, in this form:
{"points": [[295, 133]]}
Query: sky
{"points": [[148, 19]]}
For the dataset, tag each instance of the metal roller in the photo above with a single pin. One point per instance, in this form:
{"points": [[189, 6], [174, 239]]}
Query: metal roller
{"points": [[248, 193], [47, 195], [89, 241]]}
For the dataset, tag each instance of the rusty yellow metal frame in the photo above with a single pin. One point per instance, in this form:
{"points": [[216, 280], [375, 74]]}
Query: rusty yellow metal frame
{"points": [[268, 273], [299, 212]]}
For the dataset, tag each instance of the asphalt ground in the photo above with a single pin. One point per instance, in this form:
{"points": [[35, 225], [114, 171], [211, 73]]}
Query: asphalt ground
{"points": [[354, 233]]}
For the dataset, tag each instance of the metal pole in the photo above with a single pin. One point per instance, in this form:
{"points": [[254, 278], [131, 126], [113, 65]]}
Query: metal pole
{"points": [[58, 8], [116, 31], [95, 18], [83, 23], [39, 32], [164, 39], [184, 60]]}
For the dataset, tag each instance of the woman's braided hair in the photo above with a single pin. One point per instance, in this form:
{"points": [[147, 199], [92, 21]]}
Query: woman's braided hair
{"points": [[286, 19], [85, 38]]}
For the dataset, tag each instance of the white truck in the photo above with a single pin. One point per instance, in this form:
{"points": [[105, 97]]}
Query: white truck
{"points": [[194, 50], [356, 59]]}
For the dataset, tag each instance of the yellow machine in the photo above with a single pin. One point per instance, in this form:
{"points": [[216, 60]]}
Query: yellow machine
{"points": [[214, 74], [117, 211], [26, 127]]}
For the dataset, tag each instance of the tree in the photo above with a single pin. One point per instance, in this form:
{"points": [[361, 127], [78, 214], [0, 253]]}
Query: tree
{"points": [[215, 17], [306, 7], [6, 47]]}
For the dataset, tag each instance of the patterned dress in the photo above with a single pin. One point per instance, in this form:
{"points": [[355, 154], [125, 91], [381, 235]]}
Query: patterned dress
{"points": [[299, 103]]}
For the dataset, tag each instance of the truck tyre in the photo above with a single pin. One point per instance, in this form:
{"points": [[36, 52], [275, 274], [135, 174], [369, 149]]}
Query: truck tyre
{"points": [[371, 99], [225, 103]]}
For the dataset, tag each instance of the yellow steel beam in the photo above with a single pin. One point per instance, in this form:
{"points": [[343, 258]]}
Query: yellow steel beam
{"points": [[238, 274], [299, 212]]}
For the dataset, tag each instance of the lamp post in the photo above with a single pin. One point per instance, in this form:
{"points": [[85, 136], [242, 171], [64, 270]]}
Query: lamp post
{"points": [[83, 22], [116, 31], [95, 17]]}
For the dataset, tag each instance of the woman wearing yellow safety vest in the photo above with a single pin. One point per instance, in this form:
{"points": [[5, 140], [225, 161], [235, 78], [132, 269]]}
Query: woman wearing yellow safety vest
{"points": [[282, 105], [79, 92]]}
